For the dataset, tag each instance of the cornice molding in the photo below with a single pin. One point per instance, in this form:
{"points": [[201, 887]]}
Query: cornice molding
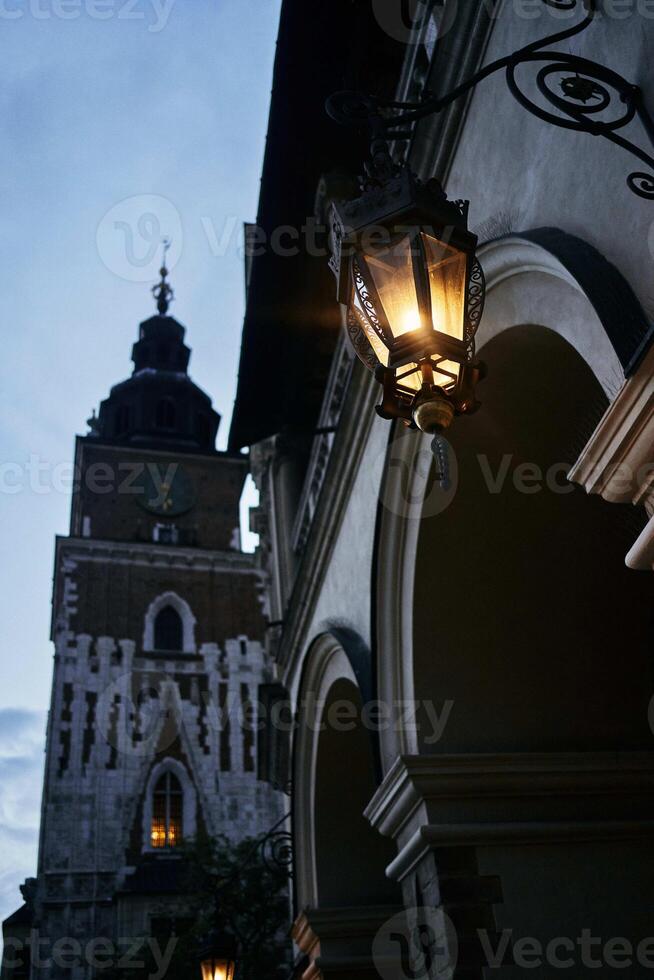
{"points": [[215, 455], [137, 553], [618, 461], [447, 800], [512, 833]]}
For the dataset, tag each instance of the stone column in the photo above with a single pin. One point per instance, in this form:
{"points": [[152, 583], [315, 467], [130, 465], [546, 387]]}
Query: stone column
{"points": [[445, 811], [338, 942]]}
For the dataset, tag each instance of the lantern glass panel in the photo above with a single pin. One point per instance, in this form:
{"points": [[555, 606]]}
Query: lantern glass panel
{"points": [[447, 269], [217, 969], [391, 270], [409, 376]]}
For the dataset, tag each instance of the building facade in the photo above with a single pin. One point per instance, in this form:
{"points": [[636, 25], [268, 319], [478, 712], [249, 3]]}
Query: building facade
{"points": [[468, 661], [158, 630]]}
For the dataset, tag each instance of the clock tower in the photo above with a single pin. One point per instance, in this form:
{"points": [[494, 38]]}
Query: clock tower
{"points": [[159, 663]]}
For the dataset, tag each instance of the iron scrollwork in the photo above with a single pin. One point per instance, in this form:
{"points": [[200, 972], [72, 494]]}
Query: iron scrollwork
{"points": [[476, 298], [585, 90], [275, 848], [277, 851]]}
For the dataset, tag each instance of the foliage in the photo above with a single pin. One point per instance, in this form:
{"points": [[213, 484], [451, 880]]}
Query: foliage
{"points": [[250, 897], [230, 888]]}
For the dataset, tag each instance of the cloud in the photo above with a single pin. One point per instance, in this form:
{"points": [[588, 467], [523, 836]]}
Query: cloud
{"points": [[22, 739]]}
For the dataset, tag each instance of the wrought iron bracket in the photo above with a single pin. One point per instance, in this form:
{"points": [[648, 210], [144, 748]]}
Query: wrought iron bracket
{"points": [[586, 89], [275, 849]]}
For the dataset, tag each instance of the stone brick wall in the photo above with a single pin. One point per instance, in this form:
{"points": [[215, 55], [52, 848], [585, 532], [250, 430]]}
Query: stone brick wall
{"points": [[106, 498], [121, 710]]}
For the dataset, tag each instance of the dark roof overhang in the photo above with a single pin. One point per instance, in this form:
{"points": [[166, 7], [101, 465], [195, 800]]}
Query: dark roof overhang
{"points": [[292, 318]]}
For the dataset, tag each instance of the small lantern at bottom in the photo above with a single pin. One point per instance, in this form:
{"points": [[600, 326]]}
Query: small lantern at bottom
{"points": [[414, 290], [218, 959]]}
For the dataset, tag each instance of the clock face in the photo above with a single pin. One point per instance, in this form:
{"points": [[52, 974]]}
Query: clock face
{"points": [[166, 489]]}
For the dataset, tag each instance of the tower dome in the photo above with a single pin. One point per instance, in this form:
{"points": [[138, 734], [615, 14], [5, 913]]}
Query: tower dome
{"points": [[159, 405]]}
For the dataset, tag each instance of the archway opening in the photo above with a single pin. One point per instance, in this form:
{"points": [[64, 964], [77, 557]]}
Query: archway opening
{"points": [[524, 616], [350, 855]]}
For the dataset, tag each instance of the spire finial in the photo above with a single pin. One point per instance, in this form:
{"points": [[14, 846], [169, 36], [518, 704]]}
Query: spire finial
{"points": [[163, 292], [93, 424]]}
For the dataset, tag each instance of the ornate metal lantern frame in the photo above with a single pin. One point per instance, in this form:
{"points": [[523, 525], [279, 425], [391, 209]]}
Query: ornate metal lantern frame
{"points": [[588, 93], [428, 375], [218, 959]]}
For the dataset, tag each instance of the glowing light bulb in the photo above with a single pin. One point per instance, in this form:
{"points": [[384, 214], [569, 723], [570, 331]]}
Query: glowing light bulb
{"points": [[410, 320]]}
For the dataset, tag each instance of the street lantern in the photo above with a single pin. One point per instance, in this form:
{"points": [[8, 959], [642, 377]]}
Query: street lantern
{"points": [[406, 270], [218, 959], [217, 969]]}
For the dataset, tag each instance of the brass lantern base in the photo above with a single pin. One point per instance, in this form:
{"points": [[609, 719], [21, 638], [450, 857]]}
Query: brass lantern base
{"points": [[432, 412], [431, 409]]}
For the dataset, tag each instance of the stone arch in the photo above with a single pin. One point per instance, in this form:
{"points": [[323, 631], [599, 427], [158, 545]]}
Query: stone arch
{"points": [[190, 807], [339, 858], [180, 606], [535, 296]]}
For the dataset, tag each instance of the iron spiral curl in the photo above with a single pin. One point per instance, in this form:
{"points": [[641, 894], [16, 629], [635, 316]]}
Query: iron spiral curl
{"points": [[277, 851], [642, 184], [586, 90]]}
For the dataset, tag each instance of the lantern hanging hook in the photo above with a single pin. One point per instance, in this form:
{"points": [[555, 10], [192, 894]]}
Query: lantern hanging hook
{"points": [[359, 111]]}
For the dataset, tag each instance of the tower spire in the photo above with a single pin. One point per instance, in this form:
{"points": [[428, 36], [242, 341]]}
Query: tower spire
{"points": [[163, 292]]}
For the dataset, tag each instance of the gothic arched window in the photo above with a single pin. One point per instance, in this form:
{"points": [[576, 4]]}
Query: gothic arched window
{"points": [[168, 630], [165, 414], [167, 812], [174, 631]]}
